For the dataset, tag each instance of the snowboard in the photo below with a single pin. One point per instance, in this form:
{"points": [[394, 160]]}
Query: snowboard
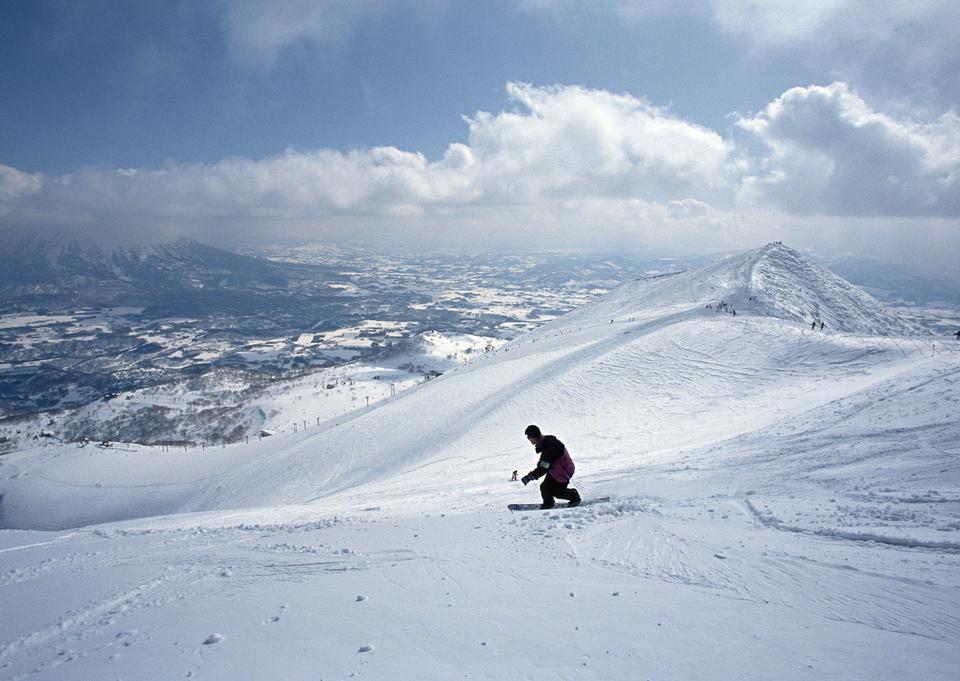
{"points": [[536, 507]]}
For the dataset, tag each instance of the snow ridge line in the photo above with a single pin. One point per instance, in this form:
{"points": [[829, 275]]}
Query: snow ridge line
{"points": [[768, 520]]}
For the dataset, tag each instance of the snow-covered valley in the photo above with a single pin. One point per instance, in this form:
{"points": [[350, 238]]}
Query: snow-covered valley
{"points": [[784, 504]]}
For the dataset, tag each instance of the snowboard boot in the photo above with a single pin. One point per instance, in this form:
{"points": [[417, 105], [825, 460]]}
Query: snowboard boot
{"points": [[576, 499]]}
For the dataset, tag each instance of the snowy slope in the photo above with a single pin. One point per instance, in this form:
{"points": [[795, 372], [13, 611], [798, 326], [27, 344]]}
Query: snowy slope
{"points": [[774, 281], [621, 378], [784, 505]]}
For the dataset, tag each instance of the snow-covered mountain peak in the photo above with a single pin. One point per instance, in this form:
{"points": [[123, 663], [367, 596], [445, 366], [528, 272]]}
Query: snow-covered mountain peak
{"points": [[91, 270], [772, 281], [783, 283]]}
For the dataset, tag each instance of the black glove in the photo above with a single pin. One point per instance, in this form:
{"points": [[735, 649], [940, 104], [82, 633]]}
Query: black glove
{"points": [[525, 479]]}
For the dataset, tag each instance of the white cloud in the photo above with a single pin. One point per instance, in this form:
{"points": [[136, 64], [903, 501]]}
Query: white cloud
{"points": [[521, 167], [572, 141], [773, 23], [15, 184], [905, 52], [567, 166], [688, 208], [777, 23], [830, 153]]}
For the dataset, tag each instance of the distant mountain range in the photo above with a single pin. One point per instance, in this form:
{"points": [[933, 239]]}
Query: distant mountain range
{"points": [[57, 270], [38, 269], [891, 282]]}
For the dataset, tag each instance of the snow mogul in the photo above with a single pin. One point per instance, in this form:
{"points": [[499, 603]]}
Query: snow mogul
{"points": [[555, 467]]}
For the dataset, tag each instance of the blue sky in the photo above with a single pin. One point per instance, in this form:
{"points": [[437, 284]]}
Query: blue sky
{"points": [[639, 122], [137, 84]]}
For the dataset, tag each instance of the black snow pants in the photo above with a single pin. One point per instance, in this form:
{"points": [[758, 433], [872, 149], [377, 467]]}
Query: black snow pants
{"points": [[550, 488]]}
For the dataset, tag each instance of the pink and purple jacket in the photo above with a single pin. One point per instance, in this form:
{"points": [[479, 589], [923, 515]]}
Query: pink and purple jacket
{"points": [[554, 460]]}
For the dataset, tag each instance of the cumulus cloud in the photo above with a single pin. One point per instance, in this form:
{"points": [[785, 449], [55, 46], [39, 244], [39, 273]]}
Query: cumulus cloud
{"points": [[571, 141], [293, 189], [564, 165], [520, 168], [829, 153]]}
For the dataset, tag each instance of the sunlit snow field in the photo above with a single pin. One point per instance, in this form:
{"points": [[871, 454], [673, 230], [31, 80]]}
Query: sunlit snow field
{"points": [[784, 504]]}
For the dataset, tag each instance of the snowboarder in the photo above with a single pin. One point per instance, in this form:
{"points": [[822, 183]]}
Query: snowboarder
{"points": [[957, 334], [555, 467]]}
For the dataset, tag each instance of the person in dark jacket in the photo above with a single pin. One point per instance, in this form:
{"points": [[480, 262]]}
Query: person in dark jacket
{"points": [[555, 467]]}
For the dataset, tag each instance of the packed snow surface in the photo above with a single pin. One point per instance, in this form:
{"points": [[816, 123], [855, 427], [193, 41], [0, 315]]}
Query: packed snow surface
{"points": [[784, 504]]}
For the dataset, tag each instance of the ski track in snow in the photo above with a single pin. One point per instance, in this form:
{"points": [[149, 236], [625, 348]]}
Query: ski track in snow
{"points": [[783, 505], [838, 591]]}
